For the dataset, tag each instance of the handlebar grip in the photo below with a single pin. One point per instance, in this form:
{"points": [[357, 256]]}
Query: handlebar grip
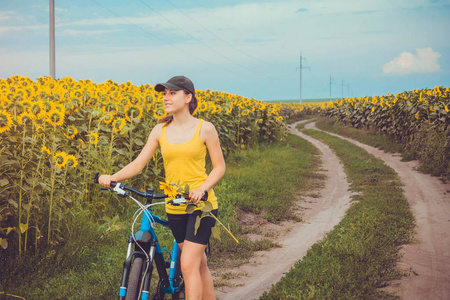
{"points": [[96, 177], [112, 184]]}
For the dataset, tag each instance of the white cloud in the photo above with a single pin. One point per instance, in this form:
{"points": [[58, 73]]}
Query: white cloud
{"points": [[425, 61]]}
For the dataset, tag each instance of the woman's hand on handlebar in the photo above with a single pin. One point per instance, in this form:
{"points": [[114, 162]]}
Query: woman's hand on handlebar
{"points": [[196, 195], [105, 180]]}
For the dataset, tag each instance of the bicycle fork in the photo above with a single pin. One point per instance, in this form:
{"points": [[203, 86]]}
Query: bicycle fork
{"points": [[127, 266]]}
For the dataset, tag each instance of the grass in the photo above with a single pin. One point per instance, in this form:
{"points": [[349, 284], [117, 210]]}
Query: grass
{"points": [[262, 180], [425, 145], [359, 255], [379, 141]]}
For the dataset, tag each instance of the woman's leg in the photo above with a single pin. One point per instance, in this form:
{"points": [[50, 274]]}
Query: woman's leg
{"points": [[197, 277]]}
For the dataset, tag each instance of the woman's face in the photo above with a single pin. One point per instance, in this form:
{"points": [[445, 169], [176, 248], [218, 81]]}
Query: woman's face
{"points": [[175, 100]]}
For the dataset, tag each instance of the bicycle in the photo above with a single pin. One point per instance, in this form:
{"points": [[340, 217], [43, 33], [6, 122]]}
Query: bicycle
{"points": [[138, 265]]}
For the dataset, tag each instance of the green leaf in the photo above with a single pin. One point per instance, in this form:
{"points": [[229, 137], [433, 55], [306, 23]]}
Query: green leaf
{"points": [[190, 209], [139, 142], [3, 182], [3, 243], [13, 203], [197, 224], [26, 207], [23, 227], [207, 206], [216, 232]]}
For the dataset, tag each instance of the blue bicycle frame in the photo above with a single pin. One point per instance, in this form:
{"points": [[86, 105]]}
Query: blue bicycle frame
{"points": [[148, 242], [147, 248]]}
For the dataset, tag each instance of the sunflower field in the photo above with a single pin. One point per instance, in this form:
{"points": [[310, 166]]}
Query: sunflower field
{"points": [[419, 119], [55, 134]]}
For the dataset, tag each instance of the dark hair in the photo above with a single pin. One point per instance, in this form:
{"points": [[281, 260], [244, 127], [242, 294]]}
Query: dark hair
{"points": [[192, 107]]}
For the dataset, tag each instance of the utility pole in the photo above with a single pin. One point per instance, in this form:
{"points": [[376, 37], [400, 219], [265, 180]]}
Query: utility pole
{"points": [[52, 38], [331, 82], [342, 88], [301, 78], [301, 68]]}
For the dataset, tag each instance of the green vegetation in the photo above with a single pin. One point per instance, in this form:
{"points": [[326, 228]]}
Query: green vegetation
{"points": [[365, 136], [425, 145], [358, 256], [317, 100], [88, 265]]}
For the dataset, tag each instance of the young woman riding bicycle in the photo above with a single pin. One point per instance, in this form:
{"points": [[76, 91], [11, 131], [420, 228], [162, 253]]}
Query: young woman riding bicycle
{"points": [[184, 141]]}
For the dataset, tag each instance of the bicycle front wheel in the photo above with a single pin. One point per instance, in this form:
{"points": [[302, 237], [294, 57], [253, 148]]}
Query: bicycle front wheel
{"points": [[135, 279]]}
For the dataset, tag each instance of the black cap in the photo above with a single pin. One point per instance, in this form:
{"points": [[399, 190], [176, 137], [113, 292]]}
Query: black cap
{"points": [[177, 83]]}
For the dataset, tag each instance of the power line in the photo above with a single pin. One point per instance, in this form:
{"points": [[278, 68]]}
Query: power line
{"points": [[213, 33], [193, 37], [161, 40]]}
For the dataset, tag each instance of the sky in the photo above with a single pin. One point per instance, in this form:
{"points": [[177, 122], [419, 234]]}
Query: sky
{"points": [[348, 48]]}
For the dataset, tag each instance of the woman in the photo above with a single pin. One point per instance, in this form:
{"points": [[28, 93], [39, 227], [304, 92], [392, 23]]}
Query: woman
{"points": [[184, 140]]}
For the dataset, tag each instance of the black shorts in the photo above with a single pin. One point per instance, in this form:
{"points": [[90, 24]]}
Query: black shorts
{"points": [[183, 227]]}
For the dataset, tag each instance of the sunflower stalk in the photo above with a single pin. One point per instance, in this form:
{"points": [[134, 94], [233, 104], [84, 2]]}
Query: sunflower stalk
{"points": [[52, 187], [21, 190]]}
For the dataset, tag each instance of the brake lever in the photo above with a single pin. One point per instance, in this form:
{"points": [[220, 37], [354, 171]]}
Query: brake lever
{"points": [[118, 191]]}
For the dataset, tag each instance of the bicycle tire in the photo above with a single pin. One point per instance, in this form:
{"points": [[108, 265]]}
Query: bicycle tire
{"points": [[134, 281]]}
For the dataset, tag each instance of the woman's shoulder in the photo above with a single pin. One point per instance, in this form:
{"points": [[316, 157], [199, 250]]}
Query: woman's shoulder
{"points": [[208, 126], [156, 131], [208, 132]]}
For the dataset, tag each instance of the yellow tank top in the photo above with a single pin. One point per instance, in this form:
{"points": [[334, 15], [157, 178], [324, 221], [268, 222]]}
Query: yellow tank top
{"points": [[185, 163]]}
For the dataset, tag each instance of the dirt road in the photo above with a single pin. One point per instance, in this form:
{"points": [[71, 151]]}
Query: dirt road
{"points": [[321, 214], [427, 260]]}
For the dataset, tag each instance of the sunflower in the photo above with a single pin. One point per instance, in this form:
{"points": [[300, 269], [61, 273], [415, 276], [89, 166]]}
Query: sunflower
{"points": [[93, 138], [245, 112], [48, 106], [212, 108], [203, 106], [61, 159], [119, 124], [27, 104], [168, 189], [159, 113], [133, 111], [72, 161], [44, 149], [110, 106], [71, 131], [25, 118], [37, 108], [5, 121], [108, 118], [56, 117]]}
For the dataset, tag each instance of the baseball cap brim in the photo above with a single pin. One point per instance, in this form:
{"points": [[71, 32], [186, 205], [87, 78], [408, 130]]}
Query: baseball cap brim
{"points": [[160, 87]]}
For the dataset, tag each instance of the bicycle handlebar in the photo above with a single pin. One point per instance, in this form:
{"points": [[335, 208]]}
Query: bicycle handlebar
{"points": [[120, 188]]}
